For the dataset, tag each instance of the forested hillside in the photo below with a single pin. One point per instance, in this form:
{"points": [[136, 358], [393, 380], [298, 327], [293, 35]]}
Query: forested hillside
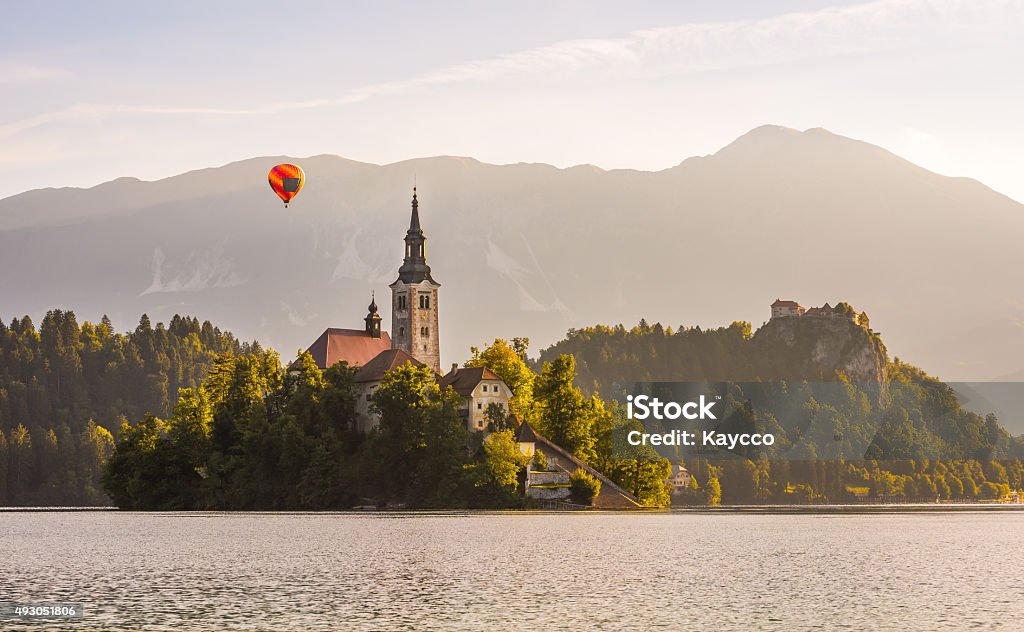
{"points": [[885, 409], [245, 435], [845, 416], [65, 386], [610, 359]]}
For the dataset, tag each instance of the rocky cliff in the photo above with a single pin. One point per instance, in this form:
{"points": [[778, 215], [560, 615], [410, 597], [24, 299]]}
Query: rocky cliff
{"points": [[792, 349], [820, 349]]}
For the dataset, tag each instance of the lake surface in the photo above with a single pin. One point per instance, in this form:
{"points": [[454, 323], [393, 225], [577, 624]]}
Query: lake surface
{"points": [[895, 570]]}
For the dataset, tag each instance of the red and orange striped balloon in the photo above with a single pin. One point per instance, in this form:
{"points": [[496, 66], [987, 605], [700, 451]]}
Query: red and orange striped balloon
{"points": [[286, 180]]}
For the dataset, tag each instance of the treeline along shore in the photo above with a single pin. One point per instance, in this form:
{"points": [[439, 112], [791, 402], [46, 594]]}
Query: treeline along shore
{"points": [[185, 416]]}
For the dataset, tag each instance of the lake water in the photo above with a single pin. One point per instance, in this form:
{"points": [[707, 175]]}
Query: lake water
{"points": [[894, 570]]}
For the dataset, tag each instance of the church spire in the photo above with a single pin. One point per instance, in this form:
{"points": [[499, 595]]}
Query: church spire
{"points": [[414, 224], [414, 268], [414, 321]]}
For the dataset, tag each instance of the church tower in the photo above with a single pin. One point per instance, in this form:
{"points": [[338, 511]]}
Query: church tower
{"points": [[372, 319], [414, 299]]}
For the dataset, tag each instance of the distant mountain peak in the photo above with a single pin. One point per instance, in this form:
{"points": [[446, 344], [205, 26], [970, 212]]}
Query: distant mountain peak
{"points": [[522, 248], [773, 137], [811, 149]]}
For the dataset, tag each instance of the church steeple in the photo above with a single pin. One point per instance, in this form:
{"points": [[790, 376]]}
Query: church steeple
{"points": [[414, 224], [415, 269], [414, 321]]}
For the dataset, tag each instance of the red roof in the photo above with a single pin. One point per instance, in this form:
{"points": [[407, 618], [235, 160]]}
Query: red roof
{"points": [[465, 380], [354, 346], [374, 370], [781, 303], [824, 310]]}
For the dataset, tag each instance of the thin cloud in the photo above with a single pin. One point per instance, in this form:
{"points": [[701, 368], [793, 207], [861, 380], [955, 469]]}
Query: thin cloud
{"points": [[690, 48], [11, 72]]}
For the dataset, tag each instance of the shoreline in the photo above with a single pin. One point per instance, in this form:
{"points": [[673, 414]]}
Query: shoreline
{"points": [[727, 509]]}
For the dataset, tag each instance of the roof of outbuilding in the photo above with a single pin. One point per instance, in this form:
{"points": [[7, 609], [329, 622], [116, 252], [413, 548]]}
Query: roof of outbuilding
{"points": [[525, 434], [465, 380]]}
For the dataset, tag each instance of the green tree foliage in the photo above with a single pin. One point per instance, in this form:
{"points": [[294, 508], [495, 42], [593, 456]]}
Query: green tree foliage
{"points": [[583, 487], [244, 439], [504, 459], [133, 476], [499, 419], [21, 465], [637, 469], [499, 474], [509, 362], [611, 358], [221, 425], [564, 415], [645, 479], [57, 381], [251, 437], [95, 445], [421, 442], [540, 460], [920, 443], [956, 487], [713, 490]]}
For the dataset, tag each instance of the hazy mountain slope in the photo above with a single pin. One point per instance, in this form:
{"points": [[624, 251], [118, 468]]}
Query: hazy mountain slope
{"points": [[529, 249]]}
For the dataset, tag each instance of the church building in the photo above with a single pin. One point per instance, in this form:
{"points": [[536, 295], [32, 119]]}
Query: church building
{"points": [[415, 339], [414, 299], [413, 315]]}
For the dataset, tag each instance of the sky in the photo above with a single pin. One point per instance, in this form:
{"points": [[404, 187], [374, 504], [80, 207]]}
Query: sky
{"points": [[94, 91]]}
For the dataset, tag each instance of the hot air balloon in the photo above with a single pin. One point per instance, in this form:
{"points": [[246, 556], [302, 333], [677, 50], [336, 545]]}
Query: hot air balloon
{"points": [[286, 180]]}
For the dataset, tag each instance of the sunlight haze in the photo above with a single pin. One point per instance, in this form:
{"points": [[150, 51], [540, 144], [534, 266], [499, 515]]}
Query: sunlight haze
{"points": [[96, 92]]}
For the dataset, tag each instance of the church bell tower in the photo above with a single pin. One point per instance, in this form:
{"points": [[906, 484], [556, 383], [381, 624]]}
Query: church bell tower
{"points": [[414, 299]]}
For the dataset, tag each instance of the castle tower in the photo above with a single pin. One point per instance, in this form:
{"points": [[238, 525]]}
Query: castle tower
{"points": [[414, 299]]}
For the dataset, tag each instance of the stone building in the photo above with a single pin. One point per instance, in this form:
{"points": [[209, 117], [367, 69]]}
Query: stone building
{"points": [[781, 308], [413, 315], [827, 311], [479, 388], [414, 339], [552, 482], [784, 309], [679, 480]]}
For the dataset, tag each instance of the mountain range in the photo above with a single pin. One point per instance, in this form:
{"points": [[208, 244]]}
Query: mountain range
{"points": [[533, 250]]}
